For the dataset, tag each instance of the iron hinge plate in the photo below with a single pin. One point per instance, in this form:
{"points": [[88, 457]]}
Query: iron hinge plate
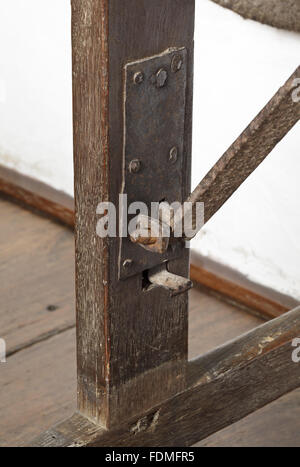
{"points": [[153, 151]]}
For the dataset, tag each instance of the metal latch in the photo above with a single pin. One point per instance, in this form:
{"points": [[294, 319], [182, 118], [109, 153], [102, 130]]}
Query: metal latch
{"points": [[153, 153], [161, 277]]}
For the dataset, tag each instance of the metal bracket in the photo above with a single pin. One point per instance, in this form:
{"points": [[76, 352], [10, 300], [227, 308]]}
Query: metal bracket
{"points": [[154, 125]]}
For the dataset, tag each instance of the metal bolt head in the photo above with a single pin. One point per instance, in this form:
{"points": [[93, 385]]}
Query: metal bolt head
{"points": [[173, 156], [127, 263], [135, 166], [161, 78], [177, 63], [138, 77]]}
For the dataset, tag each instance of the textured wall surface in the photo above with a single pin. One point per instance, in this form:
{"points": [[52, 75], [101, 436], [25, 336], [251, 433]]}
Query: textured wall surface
{"points": [[239, 65]]}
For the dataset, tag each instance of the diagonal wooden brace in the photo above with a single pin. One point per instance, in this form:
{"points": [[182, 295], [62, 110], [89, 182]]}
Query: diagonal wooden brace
{"points": [[244, 156]]}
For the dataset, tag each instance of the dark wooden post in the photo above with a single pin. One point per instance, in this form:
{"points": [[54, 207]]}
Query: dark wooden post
{"points": [[132, 344], [133, 373]]}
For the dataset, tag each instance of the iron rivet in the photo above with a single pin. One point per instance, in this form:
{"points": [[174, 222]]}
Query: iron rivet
{"points": [[138, 77], [135, 166], [161, 78], [127, 263], [177, 63], [173, 156]]}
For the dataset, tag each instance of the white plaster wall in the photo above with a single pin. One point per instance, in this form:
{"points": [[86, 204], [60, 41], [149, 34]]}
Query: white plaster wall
{"points": [[239, 65], [35, 89]]}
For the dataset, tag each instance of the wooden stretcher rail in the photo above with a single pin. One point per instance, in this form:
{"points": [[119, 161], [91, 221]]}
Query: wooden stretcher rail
{"points": [[224, 386]]}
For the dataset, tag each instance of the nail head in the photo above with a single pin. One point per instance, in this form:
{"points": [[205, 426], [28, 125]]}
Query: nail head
{"points": [[127, 263], [177, 63], [173, 156], [135, 166], [161, 78], [138, 77]]}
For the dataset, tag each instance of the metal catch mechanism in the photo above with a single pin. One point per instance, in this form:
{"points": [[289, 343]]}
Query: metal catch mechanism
{"points": [[154, 124]]}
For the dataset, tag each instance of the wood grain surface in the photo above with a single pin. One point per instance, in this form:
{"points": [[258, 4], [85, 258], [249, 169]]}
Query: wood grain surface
{"points": [[38, 382], [225, 385], [45, 392], [283, 14], [36, 277], [276, 425], [132, 344]]}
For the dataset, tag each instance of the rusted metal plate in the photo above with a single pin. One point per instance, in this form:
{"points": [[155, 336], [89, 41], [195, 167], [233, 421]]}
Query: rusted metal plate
{"points": [[154, 125]]}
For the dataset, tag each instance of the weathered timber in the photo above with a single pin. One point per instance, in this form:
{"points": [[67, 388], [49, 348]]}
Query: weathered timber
{"points": [[276, 425], [223, 386], [284, 14], [47, 400], [132, 343]]}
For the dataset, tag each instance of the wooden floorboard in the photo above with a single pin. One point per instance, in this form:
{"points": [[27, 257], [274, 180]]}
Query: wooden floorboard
{"points": [[36, 277], [38, 385], [38, 389], [276, 425], [212, 323]]}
